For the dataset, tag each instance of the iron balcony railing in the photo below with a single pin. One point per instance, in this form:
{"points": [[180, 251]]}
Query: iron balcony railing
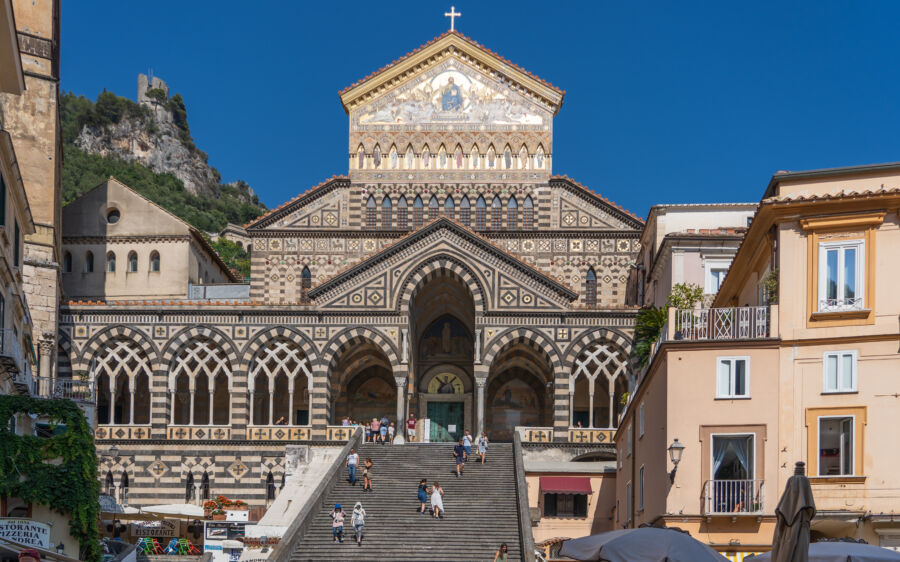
{"points": [[734, 323], [839, 305], [69, 389], [730, 497]]}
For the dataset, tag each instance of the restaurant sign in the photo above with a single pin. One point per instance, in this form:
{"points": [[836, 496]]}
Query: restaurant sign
{"points": [[25, 531], [162, 529]]}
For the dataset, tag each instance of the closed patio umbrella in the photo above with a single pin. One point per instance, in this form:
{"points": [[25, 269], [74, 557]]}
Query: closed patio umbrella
{"points": [[795, 510], [840, 552], [646, 544]]}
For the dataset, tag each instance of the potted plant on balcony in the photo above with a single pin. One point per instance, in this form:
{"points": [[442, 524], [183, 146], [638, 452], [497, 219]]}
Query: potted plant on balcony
{"points": [[218, 515], [208, 508], [238, 505]]}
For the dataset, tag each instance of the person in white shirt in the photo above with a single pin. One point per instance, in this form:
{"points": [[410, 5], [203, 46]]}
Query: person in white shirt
{"points": [[467, 444], [351, 464]]}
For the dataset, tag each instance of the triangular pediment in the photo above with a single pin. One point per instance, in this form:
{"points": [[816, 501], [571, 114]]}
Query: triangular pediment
{"points": [[465, 52], [502, 281], [317, 207], [581, 207]]}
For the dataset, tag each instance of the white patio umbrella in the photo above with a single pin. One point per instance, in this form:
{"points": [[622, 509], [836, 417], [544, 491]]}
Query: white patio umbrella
{"points": [[182, 510]]}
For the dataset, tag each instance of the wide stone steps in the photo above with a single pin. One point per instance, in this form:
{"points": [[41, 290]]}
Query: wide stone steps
{"points": [[481, 508]]}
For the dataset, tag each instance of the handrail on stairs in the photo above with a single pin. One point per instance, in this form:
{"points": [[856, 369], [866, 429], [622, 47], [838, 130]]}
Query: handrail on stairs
{"points": [[295, 532], [526, 537]]}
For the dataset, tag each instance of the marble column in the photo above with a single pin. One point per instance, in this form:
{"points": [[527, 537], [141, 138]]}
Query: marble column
{"points": [[211, 394], [572, 405], [591, 403], [401, 402], [172, 407], [45, 386], [479, 400], [271, 408], [612, 403]]}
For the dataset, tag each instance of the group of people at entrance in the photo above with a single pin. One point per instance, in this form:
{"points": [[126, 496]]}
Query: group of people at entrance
{"points": [[377, 431]]}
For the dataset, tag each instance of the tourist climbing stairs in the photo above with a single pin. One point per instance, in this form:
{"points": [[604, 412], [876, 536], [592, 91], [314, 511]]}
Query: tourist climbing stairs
{"points": [[481, 508]]}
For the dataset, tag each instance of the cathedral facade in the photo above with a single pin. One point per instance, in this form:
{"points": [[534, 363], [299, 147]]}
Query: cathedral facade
{"points": [[448, 275]]}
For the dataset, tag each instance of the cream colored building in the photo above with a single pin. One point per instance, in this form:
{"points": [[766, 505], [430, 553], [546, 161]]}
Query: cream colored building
{"points": [[687, 243], [750, 387], [31, 118], [15, 223], [118, 245]]}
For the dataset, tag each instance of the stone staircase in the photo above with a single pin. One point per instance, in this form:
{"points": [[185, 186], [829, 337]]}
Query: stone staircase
{"points": [[482, 508]]}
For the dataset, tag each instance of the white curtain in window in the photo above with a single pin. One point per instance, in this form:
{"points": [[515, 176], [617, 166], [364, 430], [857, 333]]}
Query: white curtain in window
{"points": [[720, 448], [741, 447]]}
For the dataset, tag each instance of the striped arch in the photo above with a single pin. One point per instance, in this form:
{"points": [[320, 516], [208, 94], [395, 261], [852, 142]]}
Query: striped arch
{"points": [[536, 340], [186, 336], [263, 337], [606, 334], [346, 339], [609, 336], [442, 266], [99, 340]]}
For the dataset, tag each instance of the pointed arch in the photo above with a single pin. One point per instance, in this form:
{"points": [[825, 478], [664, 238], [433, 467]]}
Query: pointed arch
{"points": [[434, 208], [204, 486], [528, 213], [512, 213], [418, 211], [393, 157], [305, 284], [458, 162], [154, 261], [449, 207], [370, 212], [480, 211], [409, 162], [89, 262], [443, 159], [522, 161], [426, 157], [465, 212], [496, 213], [402, 216], [110, 262], [474, 157], [590, 287], [360, 157], [376, 157], [67, 262], [387, 213]]}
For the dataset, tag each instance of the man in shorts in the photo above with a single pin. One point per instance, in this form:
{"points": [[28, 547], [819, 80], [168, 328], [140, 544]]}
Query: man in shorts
{"points": [[411, 428], [459, 451], [467, 444]]}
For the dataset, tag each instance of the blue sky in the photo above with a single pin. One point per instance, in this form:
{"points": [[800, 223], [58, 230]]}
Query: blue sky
{"points": [[665, 102]]}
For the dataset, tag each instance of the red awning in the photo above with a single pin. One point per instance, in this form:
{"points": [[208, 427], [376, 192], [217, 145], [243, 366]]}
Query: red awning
{"points": [[566, 485]]}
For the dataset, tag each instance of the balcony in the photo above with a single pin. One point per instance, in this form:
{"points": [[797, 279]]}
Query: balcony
{"points": [[733, 497], [68, 389], [10, 352], [722, 324]]}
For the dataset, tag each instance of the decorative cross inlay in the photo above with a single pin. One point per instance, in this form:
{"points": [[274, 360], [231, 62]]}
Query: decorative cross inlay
{"points": [[180, 433], [452, 14]]}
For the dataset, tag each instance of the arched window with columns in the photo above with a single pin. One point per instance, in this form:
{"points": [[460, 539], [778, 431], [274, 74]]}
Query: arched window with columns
{"points": [[402, 217], [305, 284], [528, 213], [387, 213], [434, 208], [370, 213], [418, 208], [496, 212], [121, 371], [189, 493], [599, 377], [512, 214], [109, 487], [280, 384], [449, 207], [204, 487], [465, 212], [201, 394]]}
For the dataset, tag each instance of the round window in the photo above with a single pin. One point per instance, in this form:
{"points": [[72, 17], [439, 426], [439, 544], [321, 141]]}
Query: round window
{"points": [[112, 217]]}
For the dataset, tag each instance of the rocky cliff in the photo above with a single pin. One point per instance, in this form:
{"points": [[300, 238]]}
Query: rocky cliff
{"points": [[148, 145]]}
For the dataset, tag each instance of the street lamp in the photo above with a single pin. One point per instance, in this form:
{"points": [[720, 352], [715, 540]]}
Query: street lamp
{"points": [[114, 452], [60, 548], [676, 449]]}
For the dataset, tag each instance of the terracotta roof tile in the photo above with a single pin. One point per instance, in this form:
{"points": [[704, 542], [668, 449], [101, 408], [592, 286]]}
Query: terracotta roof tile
{"points": [[435, 40], [300, 196], [593, 193], [840, 194]]}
